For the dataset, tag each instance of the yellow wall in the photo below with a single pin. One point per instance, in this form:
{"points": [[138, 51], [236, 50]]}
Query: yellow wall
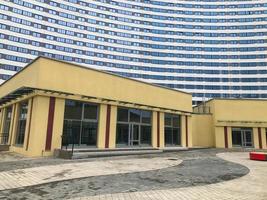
{"points": [[255, 138], [229, 136], [26, 77], [38, 126], [203, 131], [107, 86], [190, 131], [161, 130], [237, 113], [241, 113], [37, 130], [102, 119], [183, 132], [154, 129], [13, 126], [113, 126], [219, 137], [57, 125], [28, 120]]}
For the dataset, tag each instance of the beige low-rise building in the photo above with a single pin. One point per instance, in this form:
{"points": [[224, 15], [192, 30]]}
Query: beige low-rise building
{"points": [[231, 123], [51, 103]]}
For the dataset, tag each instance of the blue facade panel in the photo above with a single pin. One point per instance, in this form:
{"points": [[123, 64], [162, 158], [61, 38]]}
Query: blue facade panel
{"points": [[208, 47]]}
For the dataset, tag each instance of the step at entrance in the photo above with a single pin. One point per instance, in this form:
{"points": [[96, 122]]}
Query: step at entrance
{"points": [[4, 147], [92, 153]]}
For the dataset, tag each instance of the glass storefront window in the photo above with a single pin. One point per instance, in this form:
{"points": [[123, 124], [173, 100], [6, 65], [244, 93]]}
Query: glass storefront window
{"points": [[122, 136], [6, 124], [176, 121], [80, 123], [168, 120], [89, 133], [123, 115], [146, 134], [21, 125], [73, 109], [135, 115], [172, 134], [7, 121], [133, 127], [90, 111], [242, 137], [146, 117]]}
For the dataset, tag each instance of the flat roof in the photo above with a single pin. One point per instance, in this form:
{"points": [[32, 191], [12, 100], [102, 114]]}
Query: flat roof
{"points": [[231, 99]]}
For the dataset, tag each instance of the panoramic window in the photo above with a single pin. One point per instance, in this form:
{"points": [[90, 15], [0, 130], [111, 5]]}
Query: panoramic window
{"points": [[80, 123], [21, 125], [172, 133], [133, 127]]}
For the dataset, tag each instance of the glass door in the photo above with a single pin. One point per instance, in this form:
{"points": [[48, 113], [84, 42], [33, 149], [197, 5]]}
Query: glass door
{"points": [[247, 138], [134, 135], [236, 137], [172, 135], [242, 137], [71, 131]]}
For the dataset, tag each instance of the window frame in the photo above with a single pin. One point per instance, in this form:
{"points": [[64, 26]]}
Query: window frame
{"points": [[20, 126]]}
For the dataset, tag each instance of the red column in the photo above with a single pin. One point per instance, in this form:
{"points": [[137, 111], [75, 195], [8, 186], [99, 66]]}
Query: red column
{"points": [[225, 137], [50, 123], [107, 127], [158, 129], [186, 130]]}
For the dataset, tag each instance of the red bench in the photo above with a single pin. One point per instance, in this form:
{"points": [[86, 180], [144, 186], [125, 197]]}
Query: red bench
{"points": [[258, 156]]}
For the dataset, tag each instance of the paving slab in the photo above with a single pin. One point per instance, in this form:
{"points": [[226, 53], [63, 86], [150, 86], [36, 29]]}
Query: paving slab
{"points": [[199, 170], [46, 174], [251, 186]]}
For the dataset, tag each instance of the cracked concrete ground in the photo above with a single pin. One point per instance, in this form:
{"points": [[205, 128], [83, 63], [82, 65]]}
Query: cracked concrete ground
{"points": [[199, 167]]}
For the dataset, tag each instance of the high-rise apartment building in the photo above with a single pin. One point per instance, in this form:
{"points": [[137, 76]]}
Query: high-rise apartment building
{"points": [[212, 48]]}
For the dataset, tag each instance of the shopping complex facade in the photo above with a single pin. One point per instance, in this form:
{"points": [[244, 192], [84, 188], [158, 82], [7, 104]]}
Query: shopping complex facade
{"points": [[212, 49], [88, 108], [51, 104]]}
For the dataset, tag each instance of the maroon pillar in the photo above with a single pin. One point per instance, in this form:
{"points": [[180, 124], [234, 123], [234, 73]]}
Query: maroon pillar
{"points": [[225, 137], [50, 123], [186, 130], [158, 129], [107, 127]]}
